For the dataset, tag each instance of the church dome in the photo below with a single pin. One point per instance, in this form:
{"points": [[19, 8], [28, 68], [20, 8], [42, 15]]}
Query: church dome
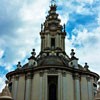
{"points": [[53, 61]]}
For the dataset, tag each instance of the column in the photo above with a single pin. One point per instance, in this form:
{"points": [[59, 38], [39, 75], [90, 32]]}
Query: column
{"points": [[41, 85], [60, 94], [42, 43], [45, 86], [70, 87], [57, 41], [48, 41], [35, 86], [21, 88], [16, 87], [92, 81], [63, 43], [13, 81], [84, 88], [60, 41], [90, 90], [32, 87], [77, 86], [28, 86], [64, 85]]}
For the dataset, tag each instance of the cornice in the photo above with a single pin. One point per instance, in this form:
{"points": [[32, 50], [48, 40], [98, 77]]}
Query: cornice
{"points": [[70, 69]]}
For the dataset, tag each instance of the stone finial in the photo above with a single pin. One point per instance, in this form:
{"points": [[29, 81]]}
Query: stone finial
{"points": [[5, 94], [72, 53], [19, 65], [32, 59], [86, 66], [33, 53]]}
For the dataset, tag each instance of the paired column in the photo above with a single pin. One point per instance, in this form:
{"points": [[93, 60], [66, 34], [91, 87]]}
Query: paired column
{"points": [[84, 88], [21, 87], [70, 86], [28, 86], [90, 90], [77, 86]]}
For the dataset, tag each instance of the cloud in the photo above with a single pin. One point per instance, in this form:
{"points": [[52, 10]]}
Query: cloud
{"points": [[19, 31], [20, 22], [89, 46]]}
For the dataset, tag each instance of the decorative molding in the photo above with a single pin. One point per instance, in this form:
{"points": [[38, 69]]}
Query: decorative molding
{"points": [[64, 73], [52, 71], [28, 76], [41, 73], [17, 77], [88, 78], [76, 76]]}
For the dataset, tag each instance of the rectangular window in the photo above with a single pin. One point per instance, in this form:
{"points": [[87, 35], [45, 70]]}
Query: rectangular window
{"points": [[52, 43], [52, 87]]}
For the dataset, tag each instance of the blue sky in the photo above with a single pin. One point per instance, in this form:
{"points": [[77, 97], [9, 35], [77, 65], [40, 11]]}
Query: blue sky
{"points": [[20, 24]]}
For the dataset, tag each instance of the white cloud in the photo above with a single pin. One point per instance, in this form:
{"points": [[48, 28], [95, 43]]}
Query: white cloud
{"points": [[1, 53], [90, 50]]}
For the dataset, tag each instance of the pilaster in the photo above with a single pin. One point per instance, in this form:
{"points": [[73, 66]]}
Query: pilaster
{"points": [[21, 88], [84, 88], [41, 85], [90, 90], [60, 80], [45, 86], [64, 74], [28, 86], [13, 81], [70, 87], [77, 86], [16, 87], [48, 40]]}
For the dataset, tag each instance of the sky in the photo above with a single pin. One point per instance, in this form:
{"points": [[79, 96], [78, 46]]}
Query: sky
{"points": [[20, 24]]}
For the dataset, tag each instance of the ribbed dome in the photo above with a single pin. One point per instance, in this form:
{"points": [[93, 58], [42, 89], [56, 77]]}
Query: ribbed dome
{"points": [[53, 61]]}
